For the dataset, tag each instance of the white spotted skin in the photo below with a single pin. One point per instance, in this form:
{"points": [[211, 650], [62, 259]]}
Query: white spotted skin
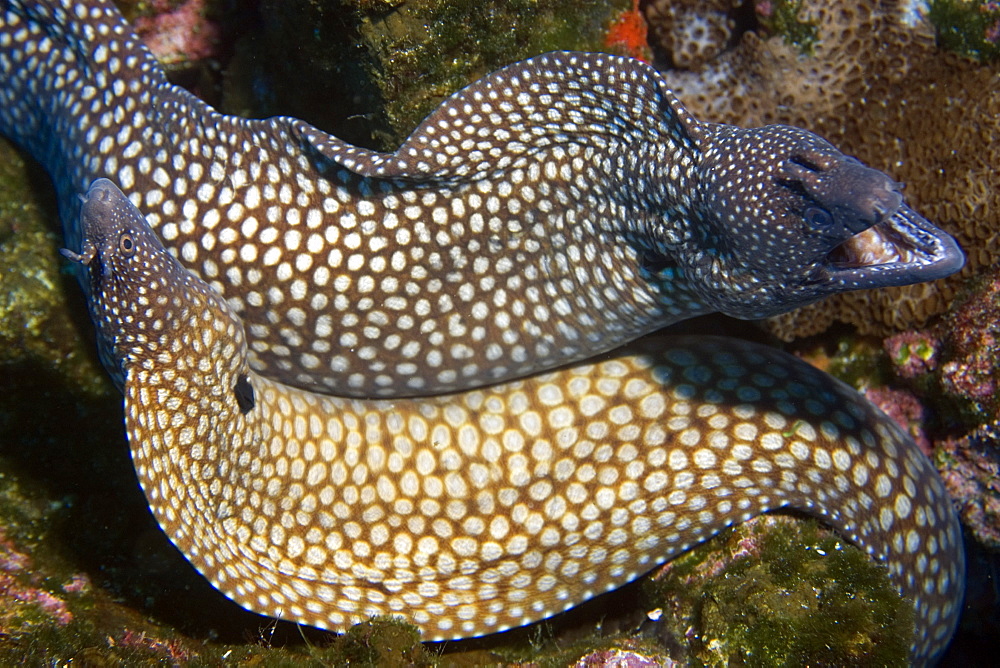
{"points": [[360, 273], [551, 211], [488, 509]]}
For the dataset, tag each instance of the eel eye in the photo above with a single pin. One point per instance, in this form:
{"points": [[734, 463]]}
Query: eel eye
{"points": [[126, 244], [243, 391], [818, 219]]}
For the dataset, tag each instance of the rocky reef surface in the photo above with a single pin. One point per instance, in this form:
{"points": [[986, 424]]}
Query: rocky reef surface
{"points": [[908, 86]]}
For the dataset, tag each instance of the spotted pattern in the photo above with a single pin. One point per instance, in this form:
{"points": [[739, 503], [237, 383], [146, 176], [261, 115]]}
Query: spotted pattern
{"points": [[553, 210], [484, 510]]}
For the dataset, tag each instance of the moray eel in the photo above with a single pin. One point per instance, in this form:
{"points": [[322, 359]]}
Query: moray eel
{"points": [[555, 209], [476, 512]]}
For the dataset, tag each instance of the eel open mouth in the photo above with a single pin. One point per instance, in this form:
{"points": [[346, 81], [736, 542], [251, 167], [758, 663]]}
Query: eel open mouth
{"points": [[879, 244], [902, 249]]}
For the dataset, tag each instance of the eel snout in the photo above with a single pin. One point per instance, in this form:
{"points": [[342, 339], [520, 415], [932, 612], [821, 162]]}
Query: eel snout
{"points": [[882, 240]]}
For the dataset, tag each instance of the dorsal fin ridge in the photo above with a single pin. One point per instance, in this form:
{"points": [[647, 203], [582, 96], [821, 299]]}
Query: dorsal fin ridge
{"points": [[556, 98]]}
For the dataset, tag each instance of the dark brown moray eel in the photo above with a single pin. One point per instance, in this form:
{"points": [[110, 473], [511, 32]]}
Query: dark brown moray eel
{"points": [[558, 208], [475, 512]]}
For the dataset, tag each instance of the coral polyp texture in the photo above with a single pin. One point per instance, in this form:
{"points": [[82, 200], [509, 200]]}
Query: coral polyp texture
{"points": [[690, 34], [877, 85]]}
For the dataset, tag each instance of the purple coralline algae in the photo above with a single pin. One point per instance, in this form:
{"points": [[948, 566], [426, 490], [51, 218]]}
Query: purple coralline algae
{"points": [[971, 365], [905, 408], [178, 33], [621, 658], [913, 353], [971, 470], [23, 601]]}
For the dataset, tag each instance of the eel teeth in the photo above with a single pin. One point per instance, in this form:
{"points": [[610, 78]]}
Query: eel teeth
{"points": [[877, 245], [901, 248]]}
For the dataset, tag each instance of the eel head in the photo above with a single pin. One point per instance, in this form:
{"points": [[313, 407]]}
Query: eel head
{"points": [[785, 219], [142, 300]]}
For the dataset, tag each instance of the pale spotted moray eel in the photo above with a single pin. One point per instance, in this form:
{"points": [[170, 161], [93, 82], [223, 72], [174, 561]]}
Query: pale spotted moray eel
{"points": [[479, 511], [553, 210]]}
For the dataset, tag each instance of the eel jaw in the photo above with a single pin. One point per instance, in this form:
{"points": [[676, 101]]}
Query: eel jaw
{"points": [[899, 250]]}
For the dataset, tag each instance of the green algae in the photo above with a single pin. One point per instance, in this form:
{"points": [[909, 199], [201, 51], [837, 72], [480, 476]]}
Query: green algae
{"points": [[39, 323], [121, 621], [859, 361], [919, 349], [784, 19], [369, 71], [425, 50], [134, 642], [781, 592], [967, 27], [382, 641]]}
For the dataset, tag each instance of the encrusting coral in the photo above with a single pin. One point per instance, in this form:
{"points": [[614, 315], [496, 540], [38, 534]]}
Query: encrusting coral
{"points": [[690, 34], [875, 84]]}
